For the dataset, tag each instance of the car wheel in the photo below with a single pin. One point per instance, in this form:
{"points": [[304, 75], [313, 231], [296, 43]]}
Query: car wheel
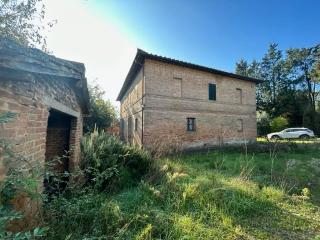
{"points": [[304, 136], [275, 137]]}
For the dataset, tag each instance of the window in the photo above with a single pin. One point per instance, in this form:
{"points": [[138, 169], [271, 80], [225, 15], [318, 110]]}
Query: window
{"points": [[301, 129], [212, 91], [240, 125], [191, 124], [239, 95], [136, 124], [176, 87]]}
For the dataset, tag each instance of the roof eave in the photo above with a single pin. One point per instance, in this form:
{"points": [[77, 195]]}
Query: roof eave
{"points": [[142, 55], [199, 67], [135, 66], [23, 63]]}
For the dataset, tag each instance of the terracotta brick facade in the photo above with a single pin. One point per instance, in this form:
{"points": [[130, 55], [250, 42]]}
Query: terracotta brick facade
{"points": [[49, 97], [131, 110], [29, 135], [163, 95], [27, 132]]}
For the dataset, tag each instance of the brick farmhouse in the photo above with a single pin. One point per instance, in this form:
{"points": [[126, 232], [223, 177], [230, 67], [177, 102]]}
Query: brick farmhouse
{"points": [[164, 99], [48, 97]]}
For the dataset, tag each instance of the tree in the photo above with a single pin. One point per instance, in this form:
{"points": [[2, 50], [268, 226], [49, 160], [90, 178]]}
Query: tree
{"points": [[278, 124], [242, 67], [102, 113], [304, 63], [273, 73], [254, 69], [281, 93], [263, 123], [272, 70], [22, 21], [317, 70]]}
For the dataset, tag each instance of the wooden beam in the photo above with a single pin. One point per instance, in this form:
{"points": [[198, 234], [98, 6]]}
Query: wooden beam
{"points": [[51, 103]]}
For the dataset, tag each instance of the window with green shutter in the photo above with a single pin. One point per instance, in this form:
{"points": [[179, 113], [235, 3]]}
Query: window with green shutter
{"points": [[212, 91]]}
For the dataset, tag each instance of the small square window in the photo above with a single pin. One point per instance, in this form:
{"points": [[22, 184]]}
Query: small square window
{"points": [[239, 95], [176, 87], [240, 125], [191, 124]]}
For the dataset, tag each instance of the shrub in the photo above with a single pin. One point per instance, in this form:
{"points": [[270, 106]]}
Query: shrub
{"points": [[311, 119], [75, 217], [263, 123], [278, 124], [102, 113], [106, 160]]}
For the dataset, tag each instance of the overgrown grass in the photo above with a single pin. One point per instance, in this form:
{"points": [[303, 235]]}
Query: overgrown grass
{"points": [[308, 141], [229, 194]]}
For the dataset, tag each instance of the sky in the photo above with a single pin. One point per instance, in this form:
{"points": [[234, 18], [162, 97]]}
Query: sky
{"points": [[105, 34]]}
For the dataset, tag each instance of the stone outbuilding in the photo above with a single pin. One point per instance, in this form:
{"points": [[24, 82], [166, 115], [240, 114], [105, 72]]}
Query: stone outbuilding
{"points": [[48, 97]]}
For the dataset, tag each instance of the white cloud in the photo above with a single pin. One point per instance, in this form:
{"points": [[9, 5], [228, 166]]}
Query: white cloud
{"points": [[81, 35]]}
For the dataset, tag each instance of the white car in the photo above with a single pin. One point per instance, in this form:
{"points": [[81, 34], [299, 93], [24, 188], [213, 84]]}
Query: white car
{"points": [[302, 133]]}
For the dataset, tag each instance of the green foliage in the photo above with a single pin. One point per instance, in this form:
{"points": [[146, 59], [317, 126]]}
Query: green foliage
{"points": [[303, 63], [18, 183], [102, 113], [278, 124], [242, 67], [7, 216], [263, 123], [245, 69], [226, 194], [76, 216], [107, 161], [108, 166], [306, 192], [274, 73], [20, 179], [22, 21], [291, 84], [311, 120], [247, 197]]}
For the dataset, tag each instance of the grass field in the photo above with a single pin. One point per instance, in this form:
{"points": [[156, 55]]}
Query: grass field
{"points": [[229, 194], [312, 140]]}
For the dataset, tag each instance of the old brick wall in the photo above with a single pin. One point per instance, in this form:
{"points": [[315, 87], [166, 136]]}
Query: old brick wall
{"points": [[28, 130], [131, 111], [76, 133], [174, 93]]}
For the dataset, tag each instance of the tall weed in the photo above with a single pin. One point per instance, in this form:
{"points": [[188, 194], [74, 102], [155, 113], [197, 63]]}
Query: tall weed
{"points": [[107, 162]]}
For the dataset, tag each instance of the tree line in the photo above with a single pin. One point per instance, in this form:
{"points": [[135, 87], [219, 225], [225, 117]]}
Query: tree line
{"points": [[289, 94]]}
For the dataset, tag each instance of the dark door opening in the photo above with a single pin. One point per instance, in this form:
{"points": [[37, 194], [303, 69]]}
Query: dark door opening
{"points": [[57, 147]]}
